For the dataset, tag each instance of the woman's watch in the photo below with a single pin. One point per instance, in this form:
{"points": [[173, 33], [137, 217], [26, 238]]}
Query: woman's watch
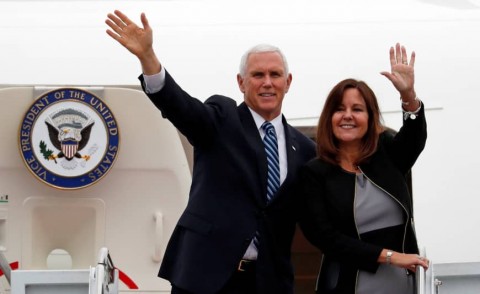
{"points": [[389, 257], [411, 114]]}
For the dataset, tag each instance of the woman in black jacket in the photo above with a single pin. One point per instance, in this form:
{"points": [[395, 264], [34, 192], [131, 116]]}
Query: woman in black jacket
{"points": [[358, 209]]}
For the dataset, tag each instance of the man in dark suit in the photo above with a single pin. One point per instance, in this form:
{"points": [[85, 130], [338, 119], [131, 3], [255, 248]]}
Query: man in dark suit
{"points": [[230, 238]]}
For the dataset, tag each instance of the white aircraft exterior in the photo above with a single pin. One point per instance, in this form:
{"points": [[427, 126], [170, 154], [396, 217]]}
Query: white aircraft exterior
{"points": [[63, 43]]}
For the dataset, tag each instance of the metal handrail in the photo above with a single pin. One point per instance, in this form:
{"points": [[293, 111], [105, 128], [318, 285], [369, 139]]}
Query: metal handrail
{"points": [[424, 278], [421, 280], [104, 277], [5, 267]]}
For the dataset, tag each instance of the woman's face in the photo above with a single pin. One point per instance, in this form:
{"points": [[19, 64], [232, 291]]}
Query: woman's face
{"points": [[350, 119]]}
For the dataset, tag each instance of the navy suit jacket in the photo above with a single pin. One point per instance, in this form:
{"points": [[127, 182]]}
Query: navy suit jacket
{"points": [[227, 201]]}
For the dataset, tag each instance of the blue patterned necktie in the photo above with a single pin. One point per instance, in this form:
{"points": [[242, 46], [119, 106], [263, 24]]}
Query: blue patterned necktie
{"points": [[271, 149], [273, 176]]}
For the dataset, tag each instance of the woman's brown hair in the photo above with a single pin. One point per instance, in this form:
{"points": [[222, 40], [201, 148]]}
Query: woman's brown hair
{"points": [[327, 144]]}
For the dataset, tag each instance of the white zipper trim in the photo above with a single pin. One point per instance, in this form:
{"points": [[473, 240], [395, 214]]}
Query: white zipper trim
{"points": [[319, 273], [391, 196]]}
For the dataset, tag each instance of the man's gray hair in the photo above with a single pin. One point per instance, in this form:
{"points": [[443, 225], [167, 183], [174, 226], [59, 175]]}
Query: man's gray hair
{"points": [[261, 48]]}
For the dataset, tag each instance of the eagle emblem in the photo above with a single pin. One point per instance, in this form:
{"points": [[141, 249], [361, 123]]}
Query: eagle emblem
{"points": [[69, 132]]}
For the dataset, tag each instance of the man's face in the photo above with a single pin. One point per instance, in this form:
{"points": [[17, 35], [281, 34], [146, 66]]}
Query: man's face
{"points": [[265, 83]]}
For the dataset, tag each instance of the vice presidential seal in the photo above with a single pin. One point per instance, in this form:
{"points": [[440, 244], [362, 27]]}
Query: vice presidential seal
{"points": [[69, 138]]}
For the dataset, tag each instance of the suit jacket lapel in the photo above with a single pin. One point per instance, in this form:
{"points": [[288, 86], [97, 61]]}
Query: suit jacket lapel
{"points": [[292, 146]]}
